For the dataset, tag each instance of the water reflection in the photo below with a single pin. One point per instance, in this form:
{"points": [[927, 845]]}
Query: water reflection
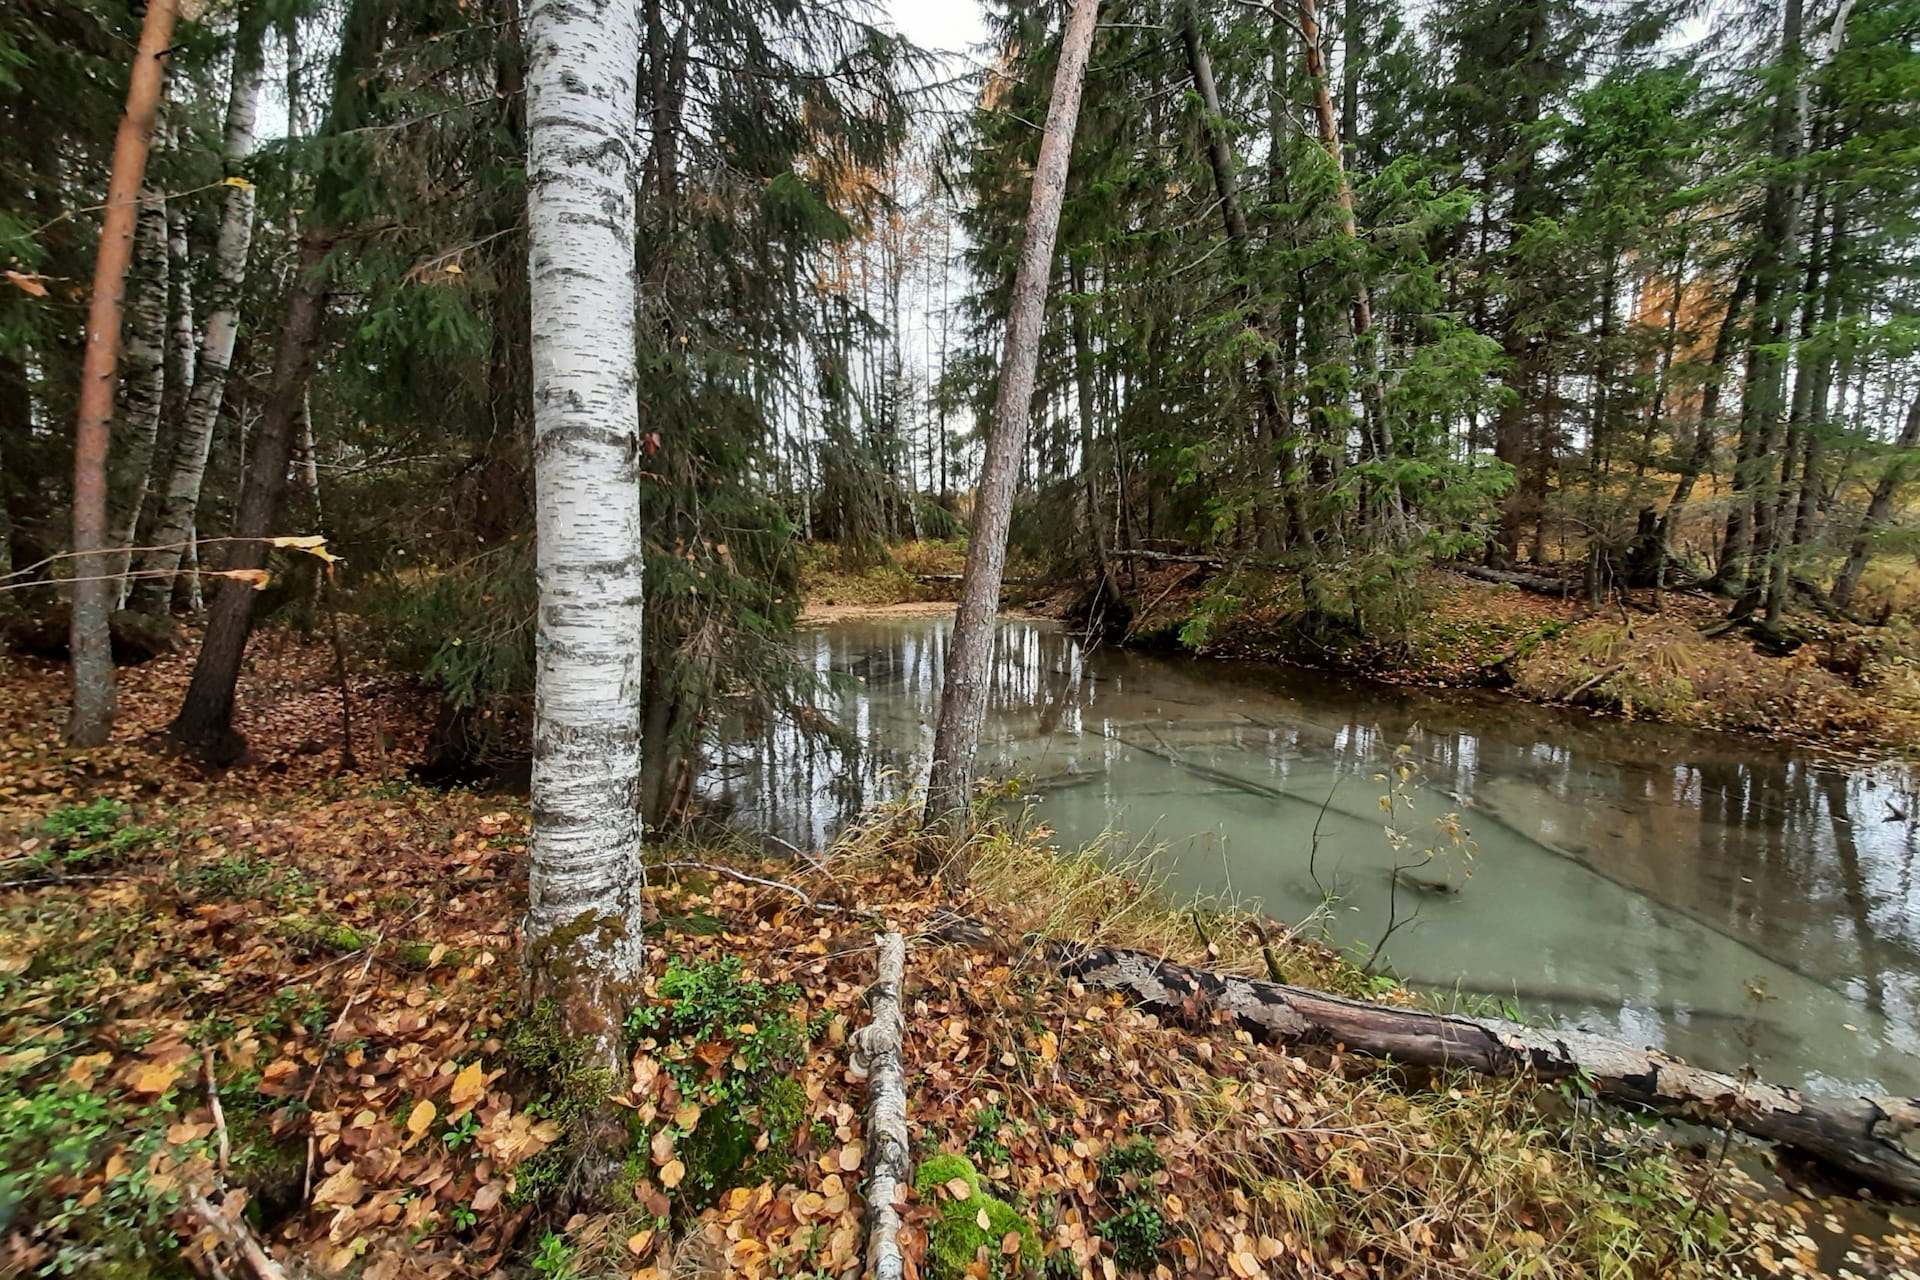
{"points": [[1731, 902]]}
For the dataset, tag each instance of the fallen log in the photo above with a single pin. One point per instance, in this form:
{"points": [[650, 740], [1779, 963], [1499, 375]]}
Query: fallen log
{"points": [[878, 1056], [1167, 557], [1539, 583], [1875, 1140]]}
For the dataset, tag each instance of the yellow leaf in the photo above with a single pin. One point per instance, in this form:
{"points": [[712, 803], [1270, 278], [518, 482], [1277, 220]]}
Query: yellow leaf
{"points": [[983, 1220], [341, 1190], [638, 1243], [851, 1155], [313, 544], [421, 1117], [255, 578], [27, 284], [686, 1115], [453, 269], [468, 1086], [155, 1078], [235, 180], [959, 1190], [671, 1175]]}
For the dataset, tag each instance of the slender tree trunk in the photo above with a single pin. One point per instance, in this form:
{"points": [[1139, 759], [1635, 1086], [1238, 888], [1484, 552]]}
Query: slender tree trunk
{"points": [[1360, 310], [583, 916], [93, 588], [1705, 434], [173, 526], [963, 696], [1233, 216], [1762, 401], [204, 727], [1520, 433], [1878, 507], [143, 387]]}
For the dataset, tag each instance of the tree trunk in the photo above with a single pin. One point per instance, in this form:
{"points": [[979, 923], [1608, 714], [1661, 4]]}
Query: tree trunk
{"points": [[1704, 434], [963, 696], [1872, 1139], [143, 387], [204, 727], [1520, 440], [583, 916], [1360, 310], [879, 1052], [1878, 508], [93, 588], [1234, 219], [1762, 401], [173, 526]]}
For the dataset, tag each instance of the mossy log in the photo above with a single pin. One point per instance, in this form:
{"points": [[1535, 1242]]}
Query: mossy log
{"points": [[1875, 1140]]}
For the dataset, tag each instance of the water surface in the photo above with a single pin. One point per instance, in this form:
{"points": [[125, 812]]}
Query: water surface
{"points": [[1737, 904]]}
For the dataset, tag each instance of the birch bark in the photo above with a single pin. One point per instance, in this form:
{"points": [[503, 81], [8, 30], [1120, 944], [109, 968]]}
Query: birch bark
{"points": [[173, 526], [583, 919], [963, 696], [91, 722]]}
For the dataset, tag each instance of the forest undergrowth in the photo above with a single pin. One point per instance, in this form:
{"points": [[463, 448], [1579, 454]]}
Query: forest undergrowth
{"points": [[288, 997]]}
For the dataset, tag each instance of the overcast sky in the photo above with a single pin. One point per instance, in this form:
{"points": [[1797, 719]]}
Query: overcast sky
{"points": [[945, 26]]}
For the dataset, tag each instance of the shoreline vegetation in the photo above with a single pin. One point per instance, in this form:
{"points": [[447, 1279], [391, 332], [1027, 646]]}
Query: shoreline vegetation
{"points": [[1849, 691], [326, 954]]}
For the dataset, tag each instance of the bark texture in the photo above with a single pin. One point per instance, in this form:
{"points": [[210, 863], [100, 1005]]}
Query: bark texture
{"points": [[879, 1053], [173, 526], [963, 695], [93, 587], [1876, 1140], [583, 920]]}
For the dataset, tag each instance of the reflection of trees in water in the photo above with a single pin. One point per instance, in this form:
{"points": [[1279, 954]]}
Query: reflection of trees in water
{"points": [[1767, 849]]}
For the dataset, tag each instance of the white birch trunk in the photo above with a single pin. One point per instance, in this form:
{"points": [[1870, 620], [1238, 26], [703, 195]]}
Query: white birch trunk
{"points": [[173, 527], [143, 385], [963, 696], [176, 386], [881, 1058], [583, 918]]}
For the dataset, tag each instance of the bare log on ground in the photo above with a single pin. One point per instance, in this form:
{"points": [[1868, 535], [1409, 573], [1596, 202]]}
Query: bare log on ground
{"points": [[1539, 583], [1168, 557], [1874, 1140], [879, 1056]]}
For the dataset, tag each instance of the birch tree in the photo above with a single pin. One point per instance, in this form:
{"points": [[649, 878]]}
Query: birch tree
{"points": [[963, 696], [173, 525], [93, 580], [583, 917]]}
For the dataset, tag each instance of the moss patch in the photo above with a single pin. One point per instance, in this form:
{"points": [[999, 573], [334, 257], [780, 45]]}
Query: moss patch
{"points": [[959, 1239]]}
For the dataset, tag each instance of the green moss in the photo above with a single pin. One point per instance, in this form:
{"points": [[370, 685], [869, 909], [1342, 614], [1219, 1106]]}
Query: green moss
{"points": [[319, 935], [955, 1241]]}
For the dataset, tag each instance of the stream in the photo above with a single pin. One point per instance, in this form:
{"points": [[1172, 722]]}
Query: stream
{"points": [[1733, 902]]}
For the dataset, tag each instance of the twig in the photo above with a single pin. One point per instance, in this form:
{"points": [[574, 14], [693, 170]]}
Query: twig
{"points": [[719, 870], [219, 1112], [237, 1234]]}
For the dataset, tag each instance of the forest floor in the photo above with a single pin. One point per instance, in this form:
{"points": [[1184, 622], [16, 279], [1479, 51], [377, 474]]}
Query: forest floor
{"points": [[1850, 690], [287, 997]]}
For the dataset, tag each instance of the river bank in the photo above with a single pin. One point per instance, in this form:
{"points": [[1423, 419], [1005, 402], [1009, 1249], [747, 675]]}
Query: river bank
{"points": [[1849, 691], [331, 955]]}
